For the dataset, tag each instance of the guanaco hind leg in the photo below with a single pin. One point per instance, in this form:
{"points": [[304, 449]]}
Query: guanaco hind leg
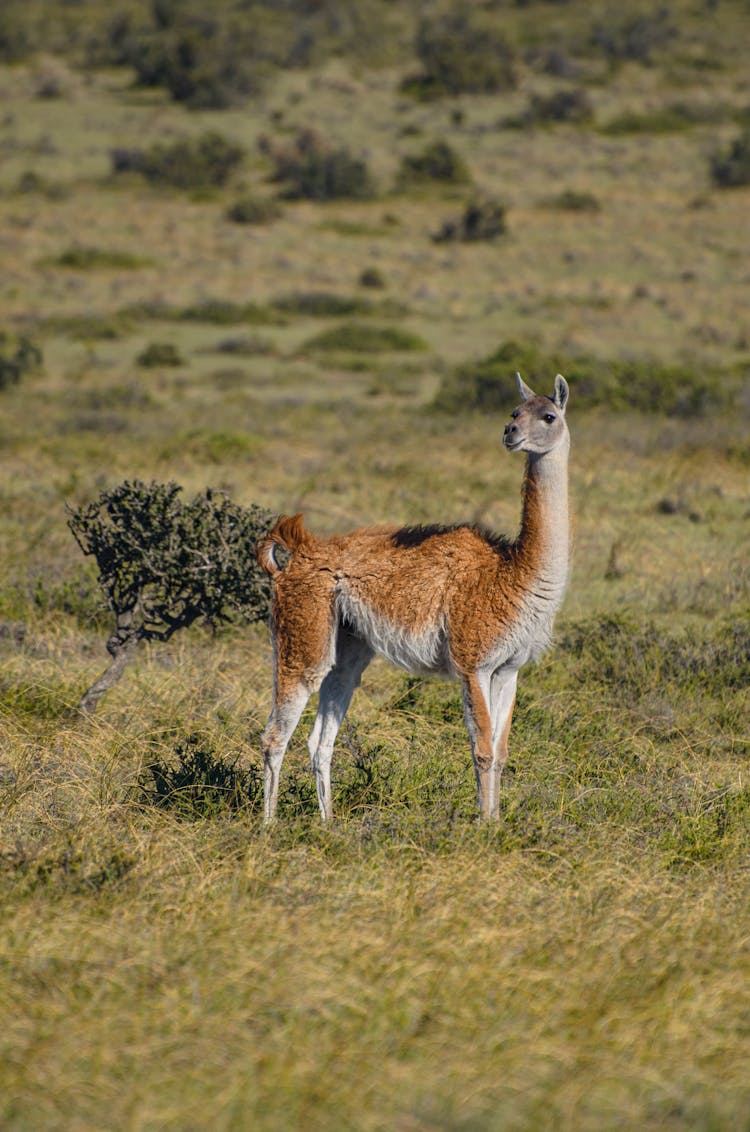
{"points": [[334, 666], [352, 657]]}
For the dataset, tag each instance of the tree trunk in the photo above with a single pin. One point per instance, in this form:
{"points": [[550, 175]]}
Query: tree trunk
{"points": [[122, 649]]}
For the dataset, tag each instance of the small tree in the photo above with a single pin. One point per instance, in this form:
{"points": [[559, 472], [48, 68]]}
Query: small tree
{"points": [[164, 564]]}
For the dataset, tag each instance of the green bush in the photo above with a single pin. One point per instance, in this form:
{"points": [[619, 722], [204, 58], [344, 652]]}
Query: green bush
{"points": [[164, 564], [572, 200], [16, 35], [645, 386], [461, 53], [312, 169], [634, 36], [254, 210], [564, 105], [198, 782], [203, 162], [159, 354], [480, 220], [372, 277], [95, 259], [18, 356], [208, 63], [437, 162], [224, 312], [731, 168], [357, 338], [320, 304]]}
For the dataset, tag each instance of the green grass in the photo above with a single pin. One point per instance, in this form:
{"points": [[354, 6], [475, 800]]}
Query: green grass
{"points": [[165, 963]]}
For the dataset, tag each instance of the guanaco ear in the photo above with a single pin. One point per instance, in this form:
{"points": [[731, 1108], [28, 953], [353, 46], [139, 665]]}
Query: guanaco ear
{"points": [[523, 389], [560, 397]]}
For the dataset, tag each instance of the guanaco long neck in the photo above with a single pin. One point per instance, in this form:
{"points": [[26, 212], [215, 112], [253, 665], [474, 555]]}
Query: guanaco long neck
{"points": [[543, 544]]}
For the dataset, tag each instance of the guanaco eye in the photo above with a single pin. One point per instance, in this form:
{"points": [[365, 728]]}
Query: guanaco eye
{"points": [[549, 417]]}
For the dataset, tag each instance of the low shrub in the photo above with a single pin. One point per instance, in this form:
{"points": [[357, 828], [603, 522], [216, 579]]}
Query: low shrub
{"points": [[320, 304], [461, 53], [643, 385], [247, 346], [159, 354], [634, 36], [480, 220], [313, 169], [254, 210], [225, 312], [327, 304], [18, 356], [357, 338], [99, 259], [196, 782], [437, 162], [204, 62], [372, 277], [204, 162], [564, 105], [730, 168], [572, 200]]}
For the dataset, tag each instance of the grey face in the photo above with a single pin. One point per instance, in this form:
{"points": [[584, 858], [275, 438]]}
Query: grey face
{"points": [[538, 424]]}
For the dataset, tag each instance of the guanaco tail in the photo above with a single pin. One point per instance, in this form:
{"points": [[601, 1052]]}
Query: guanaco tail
{"points": [[450, 601]]}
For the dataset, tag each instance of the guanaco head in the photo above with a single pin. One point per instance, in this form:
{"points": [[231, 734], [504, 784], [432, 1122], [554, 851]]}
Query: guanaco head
{"points": [[538, 424]]}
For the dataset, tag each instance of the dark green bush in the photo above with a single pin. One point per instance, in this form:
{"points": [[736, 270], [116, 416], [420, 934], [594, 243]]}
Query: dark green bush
{"points": [[224, 312], [731, 168], [16, 36], [199, 783], [199, 163], [254, 210], [312, 169], [357, 338], [437, 162], [642, 385], [461, 53], [372, 277], [18, 356], [572, 200], [159, 354], [94, 259], [564, 105], [164, 564], [206, 62], [480, 220], [634, 35]]}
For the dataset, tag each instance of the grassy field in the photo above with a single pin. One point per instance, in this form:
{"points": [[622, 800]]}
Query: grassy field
{"points": [[165, 963]]}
